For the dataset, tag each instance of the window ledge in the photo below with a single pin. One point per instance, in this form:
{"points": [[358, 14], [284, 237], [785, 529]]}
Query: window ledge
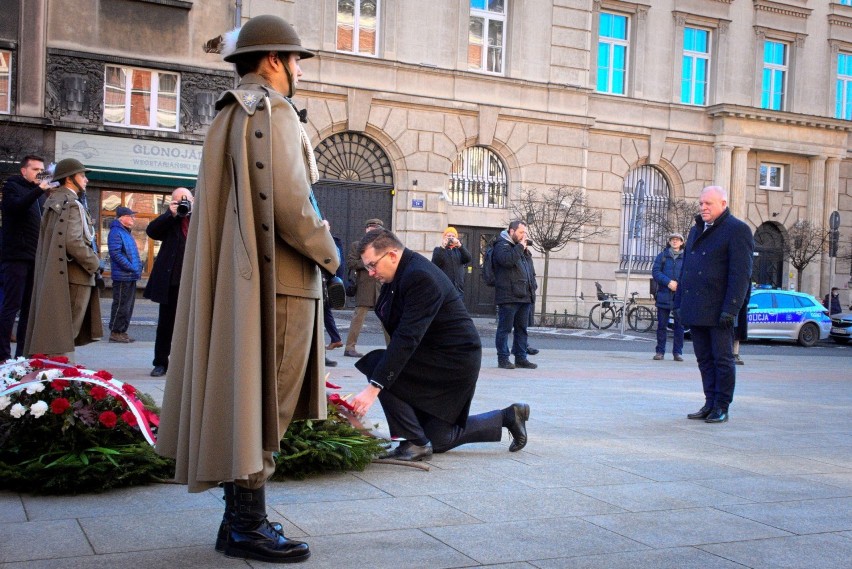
{"points": [[182, 4], [781, 117]]}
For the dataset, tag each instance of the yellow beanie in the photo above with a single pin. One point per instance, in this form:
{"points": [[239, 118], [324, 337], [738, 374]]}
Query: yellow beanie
{"points": [[451, 230]]}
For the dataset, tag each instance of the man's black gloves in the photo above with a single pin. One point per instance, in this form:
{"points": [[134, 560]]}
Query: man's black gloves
{"points": [[726, 320], [676, 314]]}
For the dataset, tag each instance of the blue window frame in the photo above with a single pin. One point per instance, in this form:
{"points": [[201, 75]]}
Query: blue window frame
{"points": [[612, 54], [843, 97], [774, 75], [696, 66]]}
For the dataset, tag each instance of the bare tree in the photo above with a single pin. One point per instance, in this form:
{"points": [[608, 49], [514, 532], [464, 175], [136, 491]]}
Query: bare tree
{"points": [[555, 217], [804, 243], [15, 143], [678, 217]]}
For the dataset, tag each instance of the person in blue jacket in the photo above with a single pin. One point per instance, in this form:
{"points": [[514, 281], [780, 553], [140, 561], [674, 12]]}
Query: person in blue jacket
{"points": [[667, 268], [126, 270]]}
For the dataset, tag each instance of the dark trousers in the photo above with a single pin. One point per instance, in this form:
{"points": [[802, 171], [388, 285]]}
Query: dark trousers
{"points": [[330, 324], [419, 427], [17, 291], [512, 315], [123, 301], [662, 329], [165, 327], [714, 350]]}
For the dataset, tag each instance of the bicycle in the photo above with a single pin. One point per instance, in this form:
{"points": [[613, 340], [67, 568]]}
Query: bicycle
{"points": [[604, 314]]}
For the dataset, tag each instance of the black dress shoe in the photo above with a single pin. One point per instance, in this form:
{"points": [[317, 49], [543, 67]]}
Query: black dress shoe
{"points": [[701, 413], [330, 363], [526, 364], [518, 428], [158, 371], [410, 452], [532, 351], [336, 293], [718, 415], [505, 364]]}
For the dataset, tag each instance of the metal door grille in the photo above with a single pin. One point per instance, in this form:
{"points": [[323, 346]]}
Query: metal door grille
{"points": [[478, 179], [353, 157], [640, 218]]}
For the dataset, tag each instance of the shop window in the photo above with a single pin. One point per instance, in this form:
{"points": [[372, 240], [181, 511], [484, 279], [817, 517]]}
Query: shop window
{"points": [[147, 207], [486, 35], [141, 98], [478, 179], [5, 82], [358, 26]]}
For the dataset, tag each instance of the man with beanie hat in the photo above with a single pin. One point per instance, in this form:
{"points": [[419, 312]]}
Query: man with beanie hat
{"points": [[366, 291], [65, 310], [248, 342], [126, 269], [666, 272], [451, 257]]}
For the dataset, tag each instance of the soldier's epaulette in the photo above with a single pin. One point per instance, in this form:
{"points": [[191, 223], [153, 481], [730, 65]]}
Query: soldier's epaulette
{"points": [[247, 99]]}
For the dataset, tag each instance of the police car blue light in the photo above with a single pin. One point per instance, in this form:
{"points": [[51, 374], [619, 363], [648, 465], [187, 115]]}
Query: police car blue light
{"points": [[787, 315]]}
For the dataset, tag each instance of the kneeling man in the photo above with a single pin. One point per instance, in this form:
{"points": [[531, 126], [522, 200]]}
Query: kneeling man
{"points": [[426, 378]]}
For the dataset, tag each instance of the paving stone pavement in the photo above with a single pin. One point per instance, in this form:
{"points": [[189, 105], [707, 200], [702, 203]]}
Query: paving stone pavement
{"points": [[614, 476]]}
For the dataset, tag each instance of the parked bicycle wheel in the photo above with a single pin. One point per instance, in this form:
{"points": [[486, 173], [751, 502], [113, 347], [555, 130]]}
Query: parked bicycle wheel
{"points": [[640, 319], [602, 316]]}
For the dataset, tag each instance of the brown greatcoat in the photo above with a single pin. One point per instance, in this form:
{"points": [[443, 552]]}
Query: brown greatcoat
{"points": [[64, 257], [368, 288], [253, 236]]}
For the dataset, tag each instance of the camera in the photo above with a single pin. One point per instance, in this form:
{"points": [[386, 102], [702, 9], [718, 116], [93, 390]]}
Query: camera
{"points": [[529, 242], [184, 207]]}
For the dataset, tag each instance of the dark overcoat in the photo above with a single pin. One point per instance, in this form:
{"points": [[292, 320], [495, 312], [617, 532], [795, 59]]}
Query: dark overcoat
{"points": [[514, 273], [433, 359], [165, 228], [716, 271], [667, 268], [452, 261], [21, 206]]}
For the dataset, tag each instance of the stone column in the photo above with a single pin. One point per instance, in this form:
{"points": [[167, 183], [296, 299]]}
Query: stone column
{"points": [[722, 166], [816, 205], [737, 199], [32, 58]]}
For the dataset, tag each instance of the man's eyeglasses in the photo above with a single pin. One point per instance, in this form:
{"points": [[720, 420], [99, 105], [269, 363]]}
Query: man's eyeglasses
{"points": [[372, 265]]}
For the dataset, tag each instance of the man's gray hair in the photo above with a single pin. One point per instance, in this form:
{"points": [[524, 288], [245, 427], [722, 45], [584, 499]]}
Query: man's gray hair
{"points": [[719, 190]]}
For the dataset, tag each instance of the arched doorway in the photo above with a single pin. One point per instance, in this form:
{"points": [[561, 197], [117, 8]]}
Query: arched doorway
{"points": [[644, 217], [355, 184], [768, 255]]}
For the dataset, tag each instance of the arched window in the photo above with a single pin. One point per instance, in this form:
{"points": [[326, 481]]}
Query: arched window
{"points": [[644, 212], [353, 157], [478, 179]]}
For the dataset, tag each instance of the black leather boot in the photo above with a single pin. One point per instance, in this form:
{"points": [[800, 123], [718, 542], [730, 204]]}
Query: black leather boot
{"points": [[251, 536], [515, 418], [230, 508]]}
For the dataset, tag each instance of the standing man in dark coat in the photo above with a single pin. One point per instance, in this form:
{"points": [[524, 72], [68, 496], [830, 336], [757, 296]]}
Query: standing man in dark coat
{"points": [[426, 378], [451, 257], [23, 198], [171, 229], [366, 293], [514, 290], [714, 285], [126, 270], [666, 272]]}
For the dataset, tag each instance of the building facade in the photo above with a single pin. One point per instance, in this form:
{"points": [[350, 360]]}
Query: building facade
{"points": [[428, 114]]}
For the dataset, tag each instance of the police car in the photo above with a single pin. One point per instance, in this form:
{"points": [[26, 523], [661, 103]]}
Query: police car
{"points": [[786, 314]]}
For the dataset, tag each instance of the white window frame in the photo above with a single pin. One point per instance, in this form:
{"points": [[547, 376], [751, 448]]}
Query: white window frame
{"points": [[844, 86], [616, 42], [763, 180], [784, 68], [7, 71], [356, 27], [845, 2], [488, 16], [155, 88], [695, 56]]}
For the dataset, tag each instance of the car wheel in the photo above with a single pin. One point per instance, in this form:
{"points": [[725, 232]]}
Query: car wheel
{"points": [[840, 340], [809, 335]]}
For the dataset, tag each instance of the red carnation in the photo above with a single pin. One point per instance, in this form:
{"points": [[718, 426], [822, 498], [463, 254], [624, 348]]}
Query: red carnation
{"points": [[108, 419], [153, 418], [60, 384], [59, 405], [60, 359], [70, 372], [129, 389], [129, 418], [99, 393], [37, 364], [103, 374], [39, 356]]}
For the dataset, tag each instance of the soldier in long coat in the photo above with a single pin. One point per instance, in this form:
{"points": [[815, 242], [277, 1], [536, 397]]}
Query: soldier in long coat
{"points": [[65, 309], [247, 353]]}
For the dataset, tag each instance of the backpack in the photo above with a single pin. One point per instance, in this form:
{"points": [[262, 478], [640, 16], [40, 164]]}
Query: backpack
{"points": [[488, 264]]}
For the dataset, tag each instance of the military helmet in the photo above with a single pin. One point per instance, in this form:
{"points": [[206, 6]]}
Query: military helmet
{"points": [[68, 167], [268, 33]]}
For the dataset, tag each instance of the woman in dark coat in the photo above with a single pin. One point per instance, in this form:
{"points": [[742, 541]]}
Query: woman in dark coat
{"points": [[426, 378]]}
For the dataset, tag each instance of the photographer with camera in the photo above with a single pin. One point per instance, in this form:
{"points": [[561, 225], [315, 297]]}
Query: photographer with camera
{"points": [[514, 291], [171, 229], [451, 257]]}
